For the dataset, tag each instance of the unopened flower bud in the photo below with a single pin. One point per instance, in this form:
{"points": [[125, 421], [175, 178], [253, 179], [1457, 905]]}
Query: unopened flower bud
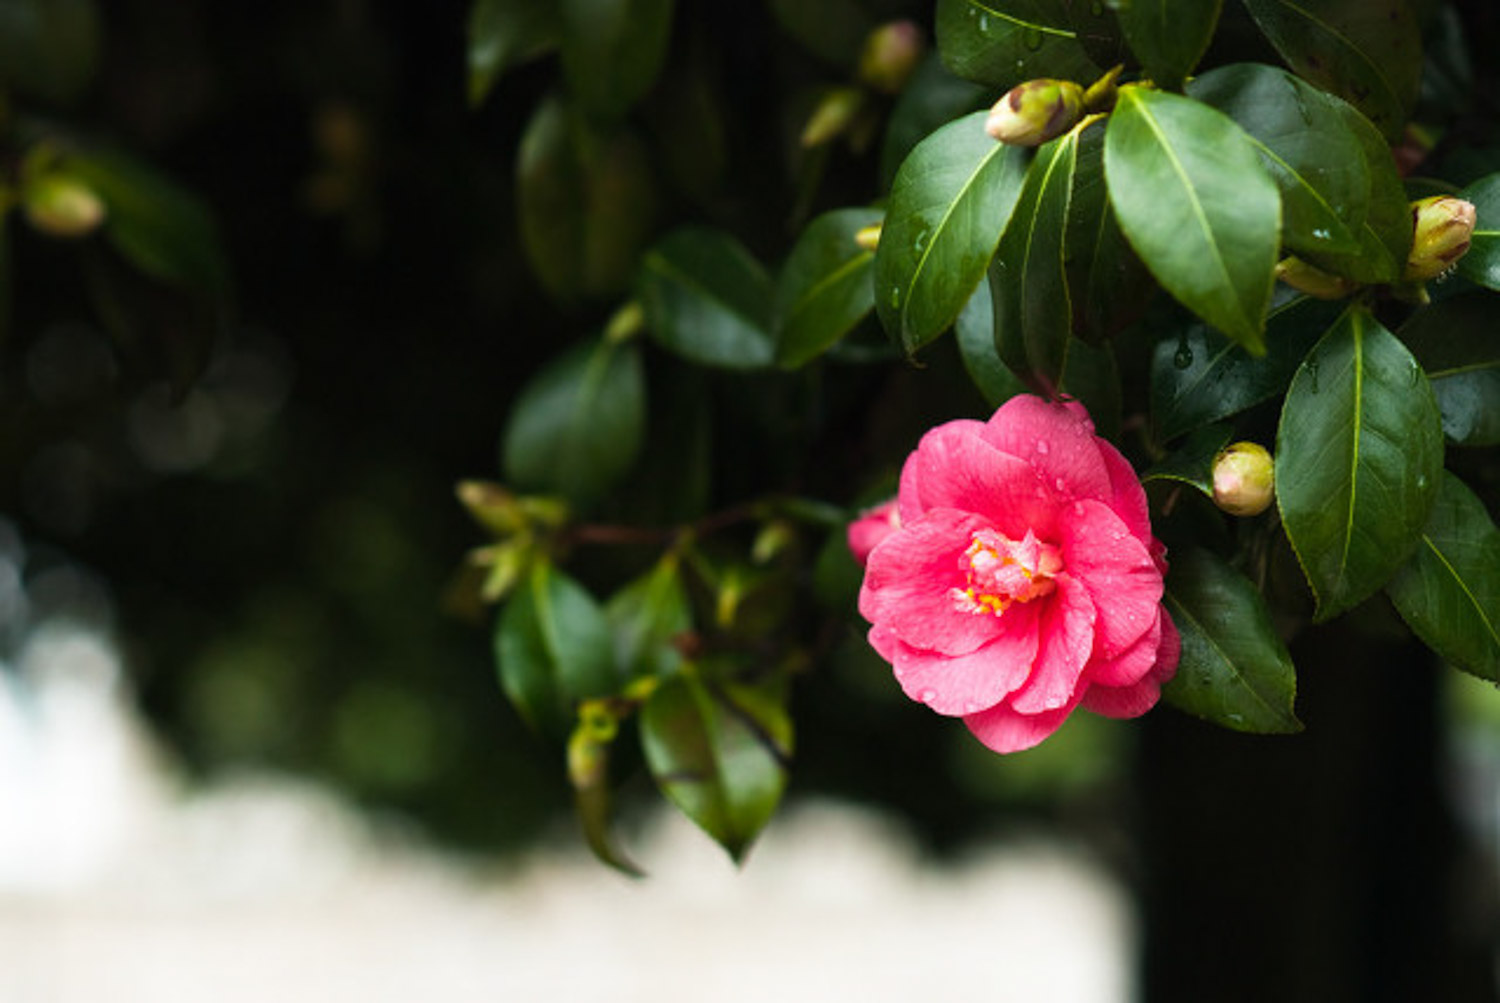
{"points": [[835, 113], [1244, 479], [868, 237], [891, 53], [1035, 112], [62, 206], [1443, 227], [1314, 281], [492, 506]]}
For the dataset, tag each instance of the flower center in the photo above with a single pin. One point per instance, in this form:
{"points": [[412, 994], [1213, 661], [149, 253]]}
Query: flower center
{"points": [[1001, 571]]}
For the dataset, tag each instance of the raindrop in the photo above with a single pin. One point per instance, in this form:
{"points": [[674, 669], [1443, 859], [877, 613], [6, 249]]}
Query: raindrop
{"points": [[895, 297], [1060, 484], [984, 22], [920, 244], [927, 696], [1421, 482], [1414, 375], [1321, 234], [1312, 374], [1032, 38], [1184, 355], [1042, 448]]}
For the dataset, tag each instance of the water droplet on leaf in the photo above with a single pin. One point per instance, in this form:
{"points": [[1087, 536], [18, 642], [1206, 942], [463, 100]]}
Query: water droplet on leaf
{"points": [[1184, 355], [1032, 38]]}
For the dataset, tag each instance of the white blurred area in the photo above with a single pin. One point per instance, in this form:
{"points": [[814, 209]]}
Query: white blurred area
{"points": [[118, 885]]}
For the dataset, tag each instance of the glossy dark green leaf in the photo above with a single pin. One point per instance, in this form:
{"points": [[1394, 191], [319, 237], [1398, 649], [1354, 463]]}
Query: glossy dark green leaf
{"points": [[577, 425], [1091, 374], [707, 299], [1028, 281], [1191, 195], [1302, 137], [612, 50], [931, 99], [1385, 237], [1368, 52], [553, 648], [586, 201], [719, 753], [1481, 265], [1358, 456], [647, 617], [1234, 670], [1168, 36], [1198, 376], [1110, 284], [1004, 42], [1449, 592], [824, 288], [49, 48], [1192, 463], [975, 333], [948, 207], [1455, 341], [159, 228], [504, 33]]}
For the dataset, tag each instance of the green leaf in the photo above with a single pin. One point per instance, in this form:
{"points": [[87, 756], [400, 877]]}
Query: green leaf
{"points": [[553, 649], [1192, 197], [1091, 374], [1385, 237], [975, 333], [647, 616], [1192, 463], [612, 50], [719, 754], [1028, 281], [1304, 142], [1481, 265], [707, 299], [1004, 42], [1449, 592], [1168, 36], [1198, 376], [503, 34], [1358, 455], [588, 769], [1455, 342], [49, 48], [824, 287], [586, 202], [948, 207], [577, 425], [1368, 52], [1112, 287], [1234, 670], [931, 99], [158, 227]]}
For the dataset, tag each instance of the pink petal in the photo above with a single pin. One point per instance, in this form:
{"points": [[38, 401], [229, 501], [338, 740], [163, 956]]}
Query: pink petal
{"points": [[1132, 664], [1066, 642], [1057, 441], [910, 496], [866, 532], [953, 467], [1169, 652], [1123, 701], [1129, 498], [1099, 550], [910, 579], [964, 684], [1004, 729]]}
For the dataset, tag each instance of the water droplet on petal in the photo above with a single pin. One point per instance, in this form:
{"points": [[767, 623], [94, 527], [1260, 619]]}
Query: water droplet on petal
{"points": [[927, 696], [1060, 484]]}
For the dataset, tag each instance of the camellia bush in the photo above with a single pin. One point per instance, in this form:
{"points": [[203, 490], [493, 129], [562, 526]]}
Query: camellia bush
{"points": [[1223, 274]]}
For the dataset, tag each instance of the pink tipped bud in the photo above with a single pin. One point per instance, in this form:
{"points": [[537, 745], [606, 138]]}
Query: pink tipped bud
{"points": [[1443, 226], [890, 55], [1035, 112], [1244, 479]]}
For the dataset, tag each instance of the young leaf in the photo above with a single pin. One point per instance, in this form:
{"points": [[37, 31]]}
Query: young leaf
{"points": [[1358, 456], [1192, 197], [1455, 342], [975, 332], [647, 616], [824, 288], [612, 50], [1004, 42], [1449, 592], [1169, 36], [1028, 281], [588, 770], [1482, 264], [707, 299], [553, 649], [719, 754], [578, 424], [504, 33], [1302, 137], [1368, 52], [1234, 670], [948, 207], [1199, 376]]}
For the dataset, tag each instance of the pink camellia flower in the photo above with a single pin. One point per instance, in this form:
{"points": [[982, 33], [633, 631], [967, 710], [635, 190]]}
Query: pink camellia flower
{"points": [[1022, 580], [871, 527]]}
